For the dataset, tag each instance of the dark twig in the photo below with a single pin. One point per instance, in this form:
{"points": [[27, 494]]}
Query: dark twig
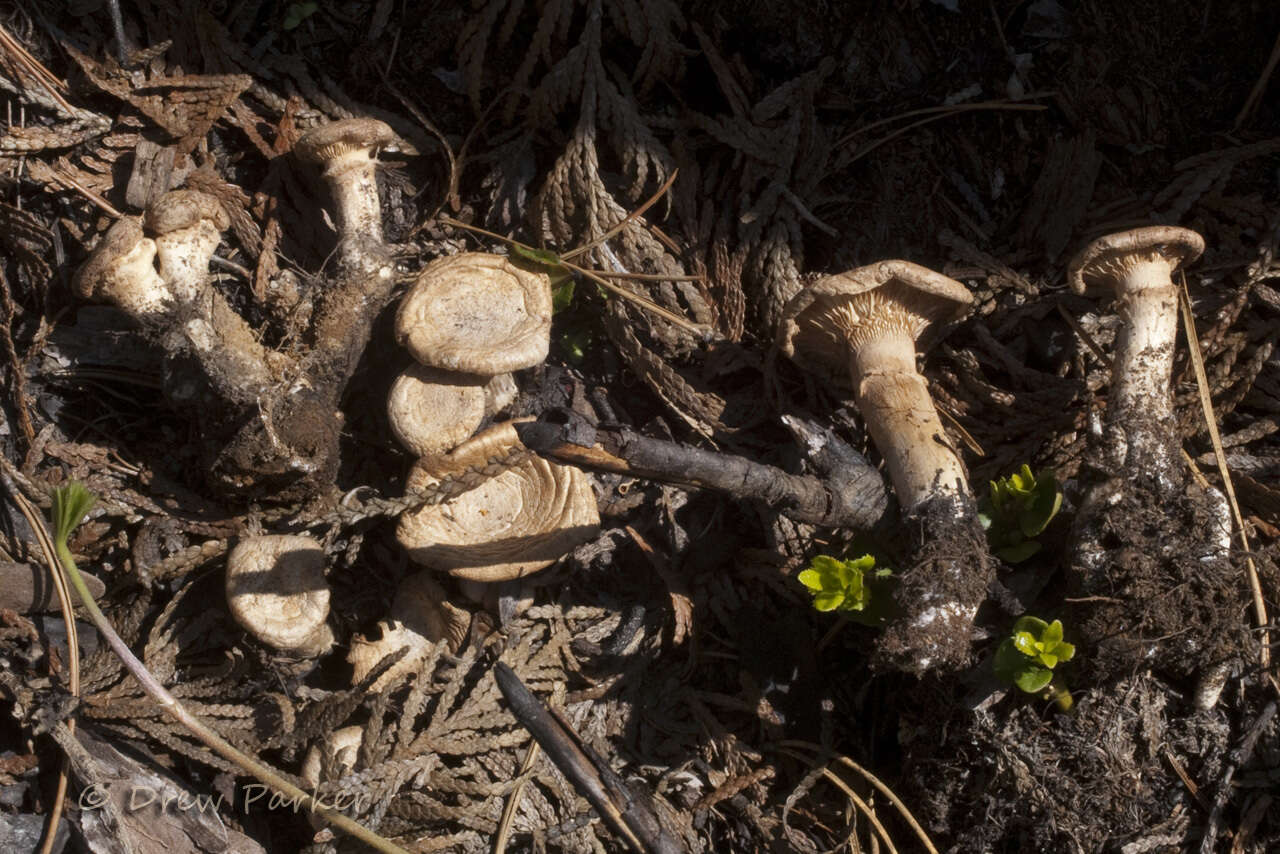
{"points": [[1235, 759], [852, 495], [629, 812]]}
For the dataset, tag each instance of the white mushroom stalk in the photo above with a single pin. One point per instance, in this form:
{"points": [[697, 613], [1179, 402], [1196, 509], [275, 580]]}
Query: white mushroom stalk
{"points": [[121, 270], [862, 327], [276, 591], [1138, 266], [346, 152]]}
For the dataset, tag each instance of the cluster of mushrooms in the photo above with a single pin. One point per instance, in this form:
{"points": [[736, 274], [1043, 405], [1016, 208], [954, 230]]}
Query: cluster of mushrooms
{"points": [[862, 328], [471, 320]]}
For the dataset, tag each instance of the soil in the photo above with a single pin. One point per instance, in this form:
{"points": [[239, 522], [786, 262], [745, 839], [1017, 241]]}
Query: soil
{"points": [[986, 141]]}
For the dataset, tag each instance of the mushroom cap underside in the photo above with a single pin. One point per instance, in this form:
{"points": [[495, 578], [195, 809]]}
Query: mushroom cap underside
{"points": [[833, 314], [1098, 264], [330, 141], [515, 523], [477, 313]]}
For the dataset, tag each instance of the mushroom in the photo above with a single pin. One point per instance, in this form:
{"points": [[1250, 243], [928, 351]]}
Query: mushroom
{"points": [[1138, 265], [121, 270], [499, 392], [513, 524], [431, 411], [346, 152], [187, 227], [477, 313], [865, 325], [421, 617], [333, 758], [277, 592]]}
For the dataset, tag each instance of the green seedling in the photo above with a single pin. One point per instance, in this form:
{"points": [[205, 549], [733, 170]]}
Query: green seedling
{"points": [[297, 13], [1018, 508], [1028, 656], [854, 587]]}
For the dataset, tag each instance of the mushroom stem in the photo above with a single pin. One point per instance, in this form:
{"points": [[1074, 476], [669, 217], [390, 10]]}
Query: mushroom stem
{"points": [[895, 404], [1140, 413]]}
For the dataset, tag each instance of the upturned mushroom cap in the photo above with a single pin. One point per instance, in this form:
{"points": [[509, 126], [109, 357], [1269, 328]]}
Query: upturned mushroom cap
{"points": [[421, 616], [431, 411], [277, 592], [1107, 259], [340, 145], [477, 313], [121, 270], [187, 226], [836, 313], [513, 524]]}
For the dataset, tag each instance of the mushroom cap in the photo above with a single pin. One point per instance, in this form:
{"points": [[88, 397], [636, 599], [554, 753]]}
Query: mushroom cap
{"points": [[834, 313], [1102, 261], [424, 606], [177, 210], [276, 590], [431, 410], [341, 748], [121, 269], [329, 142], [515, 523], [477, 313]]}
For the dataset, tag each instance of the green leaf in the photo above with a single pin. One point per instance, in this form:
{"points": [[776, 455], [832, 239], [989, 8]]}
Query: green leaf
{"points": [[1044, 505], [1025, 643], [811, 579], [1052, 634], [828, 601], [1009, 662], [1032, 625], [1048, 659], [1065, 651], [545, 257], [71, 503], [562, 295], [1018, 553], [297, 13], [1033, 679]]}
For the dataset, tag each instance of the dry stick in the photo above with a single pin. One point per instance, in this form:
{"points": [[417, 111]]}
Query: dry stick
{"points": [[1255, 94], [36, 523], [1202, 385], [946, 111], [215, 742], [638, 212], [514, 797], [806, 499], [863, 806], [875, 781]]}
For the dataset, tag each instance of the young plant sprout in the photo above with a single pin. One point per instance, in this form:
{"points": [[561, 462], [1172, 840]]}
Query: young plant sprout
{"points": [[862, 328], [1028, 656], [1017, 510], [855, 588]]}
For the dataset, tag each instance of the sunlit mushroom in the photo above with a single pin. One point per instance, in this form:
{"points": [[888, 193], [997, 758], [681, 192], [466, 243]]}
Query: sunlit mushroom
{"points": [[863, 327], [477, 313], [1137, 266], [515, 523], [276, 591], [421, 617], [121, 270], [432, 411]]}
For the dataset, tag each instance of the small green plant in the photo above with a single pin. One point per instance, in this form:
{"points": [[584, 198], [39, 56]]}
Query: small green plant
{"points": [[297, 13], [1028, 656], [1018, 508], [853, 587]]}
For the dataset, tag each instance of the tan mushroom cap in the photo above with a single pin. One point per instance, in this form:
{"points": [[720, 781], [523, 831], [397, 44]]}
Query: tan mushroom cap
{"points": [[332, 143], [187, 226], [513, 524], [834, 313], [121, 270], [340, 749], [431, 410], [1105, 260], [421, 617], [276, 591], [477, 313]]}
